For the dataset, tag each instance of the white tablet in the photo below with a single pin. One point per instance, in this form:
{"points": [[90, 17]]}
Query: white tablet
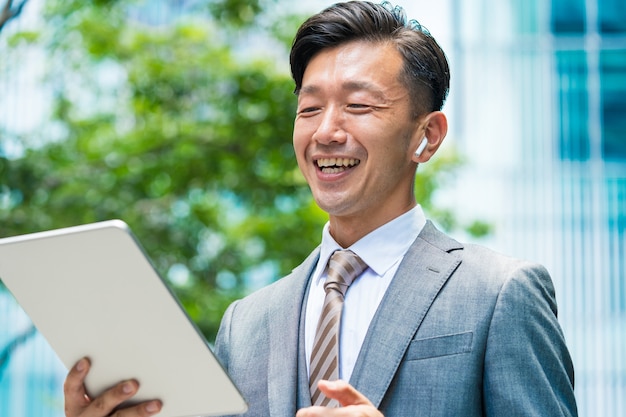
{"points": [[91, 291]]}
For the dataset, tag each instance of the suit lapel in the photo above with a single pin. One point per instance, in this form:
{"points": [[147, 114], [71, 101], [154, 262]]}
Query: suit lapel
{"points": [[283, 319], [424, 270]]}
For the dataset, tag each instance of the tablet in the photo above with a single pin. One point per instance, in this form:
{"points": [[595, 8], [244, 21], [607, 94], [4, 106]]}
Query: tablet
{"points": [[91, 291]]}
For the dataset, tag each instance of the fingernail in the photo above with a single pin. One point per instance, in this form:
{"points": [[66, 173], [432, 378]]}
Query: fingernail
{"points": [[81, 365], [152, 407], [127, 388]]}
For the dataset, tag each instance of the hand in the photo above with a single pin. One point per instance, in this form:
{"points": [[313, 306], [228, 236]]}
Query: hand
{"points": [[353, 403], [78, 403]]}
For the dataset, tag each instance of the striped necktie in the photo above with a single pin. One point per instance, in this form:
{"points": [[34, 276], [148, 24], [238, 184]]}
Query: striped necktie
{"points": [[344, 266]]}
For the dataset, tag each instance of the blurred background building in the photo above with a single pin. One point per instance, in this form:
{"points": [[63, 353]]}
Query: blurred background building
{"points": [[538, 109]]}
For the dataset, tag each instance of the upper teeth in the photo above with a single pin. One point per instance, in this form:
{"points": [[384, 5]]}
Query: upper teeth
{"points": [[331, 162]]}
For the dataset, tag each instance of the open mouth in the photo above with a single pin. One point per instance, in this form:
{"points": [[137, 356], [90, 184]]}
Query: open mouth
{"points": [[336, 165]]}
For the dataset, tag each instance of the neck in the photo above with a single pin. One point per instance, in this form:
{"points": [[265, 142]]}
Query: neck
{"points": [[347, 230]]}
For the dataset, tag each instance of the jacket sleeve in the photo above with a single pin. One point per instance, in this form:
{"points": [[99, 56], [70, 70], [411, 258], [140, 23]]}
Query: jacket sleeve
{"points": [[222, 340], [528, 370]]}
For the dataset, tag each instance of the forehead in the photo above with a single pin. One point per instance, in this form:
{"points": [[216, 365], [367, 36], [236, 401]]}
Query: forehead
{"points": [[354, 65]]}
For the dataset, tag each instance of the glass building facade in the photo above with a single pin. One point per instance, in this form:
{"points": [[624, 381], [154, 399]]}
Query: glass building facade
{"points": [[31, 375], [538, 109], [540, 113]]}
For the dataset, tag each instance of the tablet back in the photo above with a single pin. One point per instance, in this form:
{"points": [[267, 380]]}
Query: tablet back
{"points": [[91, 291]]}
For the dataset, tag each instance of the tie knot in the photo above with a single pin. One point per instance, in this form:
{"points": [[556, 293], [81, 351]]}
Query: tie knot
{"points": [[344, 266]]}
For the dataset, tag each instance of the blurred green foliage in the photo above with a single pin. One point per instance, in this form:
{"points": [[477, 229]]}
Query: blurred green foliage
{"points": [[166, 126]]}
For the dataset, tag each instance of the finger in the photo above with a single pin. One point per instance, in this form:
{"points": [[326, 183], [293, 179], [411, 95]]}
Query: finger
{"points": [[105, 403], [146, 409], [74, 388], [315, 411], [343, 392]]}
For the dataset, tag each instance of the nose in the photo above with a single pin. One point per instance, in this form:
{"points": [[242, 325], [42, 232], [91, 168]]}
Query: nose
{"points": [[331, 127]]}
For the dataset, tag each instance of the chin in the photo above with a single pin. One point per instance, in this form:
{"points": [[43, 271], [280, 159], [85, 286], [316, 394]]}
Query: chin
{"points": [[334, 209], [336, 202], [326, 206]]}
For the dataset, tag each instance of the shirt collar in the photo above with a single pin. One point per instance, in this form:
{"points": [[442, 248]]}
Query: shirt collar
{"points": [[381, 248]]}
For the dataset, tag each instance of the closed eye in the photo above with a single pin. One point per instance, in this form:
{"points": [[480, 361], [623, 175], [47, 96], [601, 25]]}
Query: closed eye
{"points": [[308, 110], [360, 107]]}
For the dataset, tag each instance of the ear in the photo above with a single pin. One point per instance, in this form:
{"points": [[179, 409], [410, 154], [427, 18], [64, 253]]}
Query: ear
{"points": [[435, 127]]}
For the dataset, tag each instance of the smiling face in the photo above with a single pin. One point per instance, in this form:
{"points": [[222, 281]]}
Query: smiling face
{"points": [[354, 137]]}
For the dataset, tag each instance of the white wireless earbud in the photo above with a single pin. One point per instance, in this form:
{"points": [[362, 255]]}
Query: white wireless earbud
{"points": [[421, 148]]}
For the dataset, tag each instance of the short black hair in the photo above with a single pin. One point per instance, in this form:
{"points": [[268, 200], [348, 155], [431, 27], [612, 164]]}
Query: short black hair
{"points": [[426, 72]]}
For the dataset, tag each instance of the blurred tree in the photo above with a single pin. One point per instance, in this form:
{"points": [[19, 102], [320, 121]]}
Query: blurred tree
{"points": [[179, 128], [10, 11]]}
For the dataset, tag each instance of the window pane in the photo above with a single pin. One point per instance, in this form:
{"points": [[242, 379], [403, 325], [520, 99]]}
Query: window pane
{"points": [[612, 14], [573, 103], [613, 90], [568, 16]]}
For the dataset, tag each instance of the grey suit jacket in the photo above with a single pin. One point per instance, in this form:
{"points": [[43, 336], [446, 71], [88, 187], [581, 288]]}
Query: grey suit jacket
{"points": [[461, 332]]}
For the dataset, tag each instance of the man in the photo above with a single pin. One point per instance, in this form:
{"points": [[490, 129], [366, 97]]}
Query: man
{"points": [[429, 326]]}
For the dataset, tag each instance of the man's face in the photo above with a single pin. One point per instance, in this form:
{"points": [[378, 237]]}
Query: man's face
{"points": [[354, 135]]}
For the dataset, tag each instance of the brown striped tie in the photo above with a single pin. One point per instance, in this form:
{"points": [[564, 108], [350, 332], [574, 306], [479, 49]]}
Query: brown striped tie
{"points": [[344, 266]]}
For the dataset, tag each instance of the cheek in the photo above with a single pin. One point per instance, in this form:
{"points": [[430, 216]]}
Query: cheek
{"points": [[299, 148], [301, 136], [391, 158], [298, 145]]}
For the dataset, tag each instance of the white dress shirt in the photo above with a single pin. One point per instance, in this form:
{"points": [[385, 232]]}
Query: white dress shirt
{"points": [[382, 250]]}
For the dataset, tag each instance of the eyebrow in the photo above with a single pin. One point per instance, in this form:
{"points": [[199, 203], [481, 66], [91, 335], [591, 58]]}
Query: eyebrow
{"points": [[349, 86]]}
